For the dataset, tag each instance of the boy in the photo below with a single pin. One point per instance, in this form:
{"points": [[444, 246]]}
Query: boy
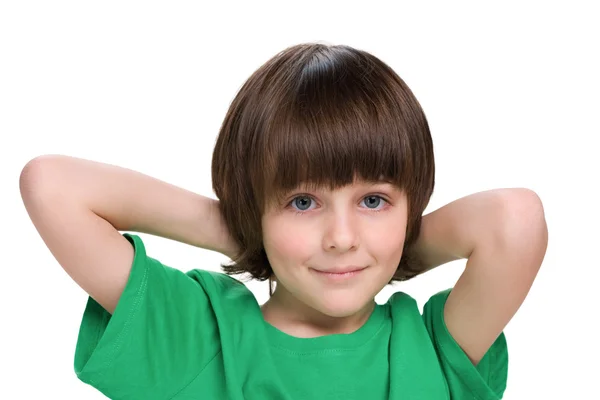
{"points": [[323, 168]]}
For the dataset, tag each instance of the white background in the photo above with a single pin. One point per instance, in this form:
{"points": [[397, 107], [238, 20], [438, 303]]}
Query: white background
{"points": [[511, 92]]}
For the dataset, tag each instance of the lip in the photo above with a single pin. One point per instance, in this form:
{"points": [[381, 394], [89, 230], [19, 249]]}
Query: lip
{"points": [[341, 273], [343, 270]]}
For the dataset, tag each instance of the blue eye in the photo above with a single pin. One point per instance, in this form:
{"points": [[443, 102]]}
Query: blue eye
{"points": [[305, 202], [376, 198], [302, 203]]}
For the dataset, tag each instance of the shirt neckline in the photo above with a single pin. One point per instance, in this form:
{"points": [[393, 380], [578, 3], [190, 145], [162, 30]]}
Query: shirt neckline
{"points": [[340, 341]]}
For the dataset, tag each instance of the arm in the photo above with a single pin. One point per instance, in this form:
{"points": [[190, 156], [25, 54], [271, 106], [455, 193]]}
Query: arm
{"points": [[78, 206], [504, 236]]}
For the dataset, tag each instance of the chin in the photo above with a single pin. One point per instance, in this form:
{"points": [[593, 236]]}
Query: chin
{"points": [[337, 307]]}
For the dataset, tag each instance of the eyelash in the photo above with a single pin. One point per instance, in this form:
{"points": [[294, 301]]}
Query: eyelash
{"points": [[310, 197]]}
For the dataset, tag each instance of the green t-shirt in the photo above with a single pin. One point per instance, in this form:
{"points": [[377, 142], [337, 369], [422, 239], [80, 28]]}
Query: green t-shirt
{"points": [[201, 335]]}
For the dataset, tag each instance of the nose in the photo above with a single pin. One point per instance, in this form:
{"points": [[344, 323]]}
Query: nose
{"points": [[341, 232]]}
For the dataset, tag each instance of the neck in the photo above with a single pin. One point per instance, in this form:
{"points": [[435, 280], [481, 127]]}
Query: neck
{"points": [[296, 318]]}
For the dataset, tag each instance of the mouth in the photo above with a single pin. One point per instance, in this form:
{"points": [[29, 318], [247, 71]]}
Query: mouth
{"points": [[340, 274]]}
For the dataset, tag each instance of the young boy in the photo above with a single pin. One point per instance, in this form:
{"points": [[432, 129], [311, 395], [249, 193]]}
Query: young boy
{"points": [[323, 168]]}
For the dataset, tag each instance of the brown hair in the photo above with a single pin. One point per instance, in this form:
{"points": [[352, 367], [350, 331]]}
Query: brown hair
{"points": [[319, 115]]}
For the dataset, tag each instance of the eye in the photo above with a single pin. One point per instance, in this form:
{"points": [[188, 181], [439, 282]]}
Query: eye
{"points": [[302, 203], [374, 201]]}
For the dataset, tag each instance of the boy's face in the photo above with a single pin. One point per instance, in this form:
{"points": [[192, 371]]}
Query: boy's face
{"points": [[311, 233]]}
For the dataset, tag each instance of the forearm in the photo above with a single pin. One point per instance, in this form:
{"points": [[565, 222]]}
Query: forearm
{"points": [[132, 201], [453, 231]]}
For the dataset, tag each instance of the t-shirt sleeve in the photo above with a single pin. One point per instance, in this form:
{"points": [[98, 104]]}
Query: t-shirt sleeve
{"points": [[161, 335], [485, 381]]}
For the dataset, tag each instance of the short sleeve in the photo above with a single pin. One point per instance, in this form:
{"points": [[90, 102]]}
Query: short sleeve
{"points": [[161, 335], [485, 381]]}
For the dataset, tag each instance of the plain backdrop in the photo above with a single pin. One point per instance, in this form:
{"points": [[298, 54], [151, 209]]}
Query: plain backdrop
{"points": [[510, 91]]}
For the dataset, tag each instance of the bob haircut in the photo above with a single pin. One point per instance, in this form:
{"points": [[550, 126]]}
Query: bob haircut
{"points": [[319, 115]]}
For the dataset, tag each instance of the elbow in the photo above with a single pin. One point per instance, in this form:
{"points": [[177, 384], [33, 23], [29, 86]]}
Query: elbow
{"points": [[524, 226]]}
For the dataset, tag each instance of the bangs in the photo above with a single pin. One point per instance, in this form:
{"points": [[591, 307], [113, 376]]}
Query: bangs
{"points": [[335, 127]]}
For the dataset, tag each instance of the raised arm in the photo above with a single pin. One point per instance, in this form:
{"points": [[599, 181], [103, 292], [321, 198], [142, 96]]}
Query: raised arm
{"points": [[79, 206], [504, 236]]}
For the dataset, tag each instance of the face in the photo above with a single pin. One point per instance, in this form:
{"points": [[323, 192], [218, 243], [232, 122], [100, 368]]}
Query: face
{"points": [[313, 234]]}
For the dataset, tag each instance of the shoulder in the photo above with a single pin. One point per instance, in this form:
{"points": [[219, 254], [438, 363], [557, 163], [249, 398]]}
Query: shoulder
{"points": [[403, 304], [403, 307], [215, 279], [226, 293], [398, 299], [186, 285], [402, 299]]}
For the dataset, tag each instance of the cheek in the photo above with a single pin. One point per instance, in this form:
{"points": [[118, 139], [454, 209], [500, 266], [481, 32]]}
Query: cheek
{"points": [[388, 247], [286, 243]]}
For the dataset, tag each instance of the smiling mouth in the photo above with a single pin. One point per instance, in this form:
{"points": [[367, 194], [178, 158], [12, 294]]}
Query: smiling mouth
{"points": [[346, 274], [343, 270]]}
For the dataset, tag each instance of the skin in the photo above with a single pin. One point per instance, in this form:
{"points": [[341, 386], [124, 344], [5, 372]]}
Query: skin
{"points": [[363, 224], [502, 233], [504, 236]]}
